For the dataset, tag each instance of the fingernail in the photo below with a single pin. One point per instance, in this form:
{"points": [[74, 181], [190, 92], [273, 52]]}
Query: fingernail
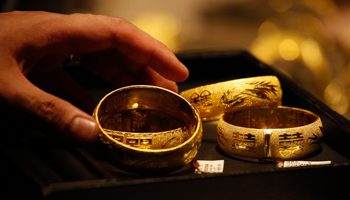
{"points": [[83, 129], [184, 67], [176, 88], [186, 71]]}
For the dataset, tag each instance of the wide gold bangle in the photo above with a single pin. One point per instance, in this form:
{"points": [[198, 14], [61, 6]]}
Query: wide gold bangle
{"points": [[148, 129], [229, 96], [270, 133]]}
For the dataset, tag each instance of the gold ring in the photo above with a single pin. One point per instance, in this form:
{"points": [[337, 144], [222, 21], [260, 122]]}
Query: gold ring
{"points": [[148, 129], [270, 133], [215, 99]]}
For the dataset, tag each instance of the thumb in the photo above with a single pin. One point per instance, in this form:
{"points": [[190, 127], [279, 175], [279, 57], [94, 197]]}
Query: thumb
{"points": [[55, 115]]}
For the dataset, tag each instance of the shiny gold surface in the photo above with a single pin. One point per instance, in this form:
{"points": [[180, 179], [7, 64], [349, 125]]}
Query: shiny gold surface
{"points": [[156, 140], [215, 99], [270, 133], [148, 129]]}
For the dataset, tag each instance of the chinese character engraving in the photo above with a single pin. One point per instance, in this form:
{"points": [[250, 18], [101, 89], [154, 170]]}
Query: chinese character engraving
{"points": [[291, 144], [115, 101], [203, 99], [170, 99], [243, 142]]}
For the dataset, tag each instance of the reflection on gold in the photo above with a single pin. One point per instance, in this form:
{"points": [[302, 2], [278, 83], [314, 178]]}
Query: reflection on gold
{"points": [[162, 26], [135, 105], [289, 49]]}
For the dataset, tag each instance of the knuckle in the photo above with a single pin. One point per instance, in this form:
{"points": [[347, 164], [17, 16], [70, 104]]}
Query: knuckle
{"points": [[47, 110], [122, 21]]}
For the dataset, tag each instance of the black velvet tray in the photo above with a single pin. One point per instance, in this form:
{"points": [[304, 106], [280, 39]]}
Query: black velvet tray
{"points": [[36, 166]]}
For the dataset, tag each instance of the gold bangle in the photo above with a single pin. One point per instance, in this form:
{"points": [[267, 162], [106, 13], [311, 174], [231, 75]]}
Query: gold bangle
{"points": [[215, 99], [270, 133], [151, 140], [148, 129]]}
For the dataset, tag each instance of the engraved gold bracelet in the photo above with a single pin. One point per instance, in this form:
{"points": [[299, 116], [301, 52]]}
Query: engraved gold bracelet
{"points": [[270, 133], [229, 96], [148, 129]]}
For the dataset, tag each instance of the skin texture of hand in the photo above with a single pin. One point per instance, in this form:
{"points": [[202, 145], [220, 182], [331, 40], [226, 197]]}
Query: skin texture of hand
{"points": [[33, 46]]}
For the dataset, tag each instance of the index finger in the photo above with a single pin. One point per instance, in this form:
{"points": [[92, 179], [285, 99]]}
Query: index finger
{"points": [[86, 33]]}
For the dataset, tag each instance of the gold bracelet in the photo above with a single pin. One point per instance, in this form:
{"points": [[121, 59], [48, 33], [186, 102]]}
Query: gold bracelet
{"points": [[151, 140], [148, 129], [215, 99], [270, 133]]}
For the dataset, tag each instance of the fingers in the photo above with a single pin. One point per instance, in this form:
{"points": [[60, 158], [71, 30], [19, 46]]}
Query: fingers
{"points": [[135, 46], [144, 49], [36, 42], [88, 33], [107, 32], [111, 66], [59, 83], [44, 39], [56, 116], [122, 71], [151, 77]]}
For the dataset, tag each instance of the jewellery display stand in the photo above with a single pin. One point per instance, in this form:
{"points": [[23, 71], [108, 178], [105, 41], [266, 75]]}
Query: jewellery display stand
{"points": [[35, 165]]}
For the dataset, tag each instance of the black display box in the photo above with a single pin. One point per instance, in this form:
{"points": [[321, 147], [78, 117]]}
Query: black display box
{"points": [[35, 166]]}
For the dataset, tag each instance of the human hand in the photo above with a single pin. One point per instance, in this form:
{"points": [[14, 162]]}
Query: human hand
{"points": [[33, 46]]}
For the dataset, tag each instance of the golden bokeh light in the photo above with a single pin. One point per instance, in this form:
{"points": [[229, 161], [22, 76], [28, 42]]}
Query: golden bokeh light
{"points": [[311, 54], [269, 30], [326, 8], [162, 26], [289, 49], [268, 36], [341, 106], [332, 93], [308, 24], [298, 44], [280, 6], [336, 98]]}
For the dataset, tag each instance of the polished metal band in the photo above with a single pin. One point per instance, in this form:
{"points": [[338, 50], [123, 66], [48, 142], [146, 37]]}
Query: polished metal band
{"points": [[148, 129], [156, 140], [216, 99], [270, 133]]}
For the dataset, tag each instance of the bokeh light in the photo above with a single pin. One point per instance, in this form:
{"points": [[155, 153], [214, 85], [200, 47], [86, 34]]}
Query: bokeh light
{"points": [[162, 26], [289, 49], [311, 54], [280, 6]]}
